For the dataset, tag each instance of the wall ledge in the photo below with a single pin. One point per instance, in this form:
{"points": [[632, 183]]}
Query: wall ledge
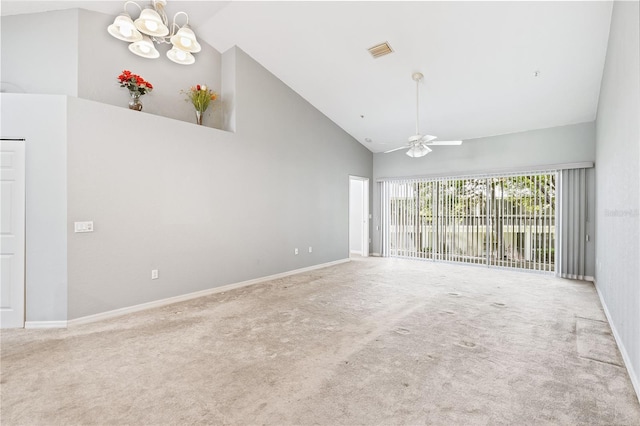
{"points": [[135, 115]]}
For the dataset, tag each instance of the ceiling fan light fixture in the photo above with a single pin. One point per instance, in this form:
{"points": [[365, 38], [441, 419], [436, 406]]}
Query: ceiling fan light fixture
{"points": [[418, 151]]}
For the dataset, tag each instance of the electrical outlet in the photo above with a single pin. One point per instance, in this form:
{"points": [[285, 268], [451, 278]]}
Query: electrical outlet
{"points": [[154, 274], [310, 249], [295, 250]]}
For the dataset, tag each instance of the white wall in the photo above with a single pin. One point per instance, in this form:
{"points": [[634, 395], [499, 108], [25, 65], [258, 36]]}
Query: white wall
{"points": [[205, 207], [40, 53], [557, 145], [355, 215], [618, 175], [42, 121]]}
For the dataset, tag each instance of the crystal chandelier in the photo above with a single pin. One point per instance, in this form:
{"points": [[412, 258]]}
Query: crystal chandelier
{"points": [[153, 26]]}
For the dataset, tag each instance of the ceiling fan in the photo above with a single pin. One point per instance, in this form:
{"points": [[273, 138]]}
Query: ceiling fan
{"points": [[419, 144]]}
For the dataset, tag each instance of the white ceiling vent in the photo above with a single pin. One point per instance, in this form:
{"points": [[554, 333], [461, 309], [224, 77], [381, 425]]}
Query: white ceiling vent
{"points": [[380, 50]]}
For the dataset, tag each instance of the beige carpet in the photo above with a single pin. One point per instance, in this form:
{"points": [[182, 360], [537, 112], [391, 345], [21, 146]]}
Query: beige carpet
{"points": [[373, 341]]}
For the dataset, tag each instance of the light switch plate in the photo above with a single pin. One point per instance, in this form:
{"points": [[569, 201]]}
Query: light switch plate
{"points": [[83, 226]]}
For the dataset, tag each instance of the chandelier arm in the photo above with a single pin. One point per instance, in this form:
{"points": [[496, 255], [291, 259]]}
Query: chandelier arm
{"points": [[172, 29], [181, 13], [162, 40], [131, 2], [159, 7]]}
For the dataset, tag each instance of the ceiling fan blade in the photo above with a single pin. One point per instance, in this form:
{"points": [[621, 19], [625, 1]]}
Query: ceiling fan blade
{"points": [[428, 138], [396, 149], [444, 143]]}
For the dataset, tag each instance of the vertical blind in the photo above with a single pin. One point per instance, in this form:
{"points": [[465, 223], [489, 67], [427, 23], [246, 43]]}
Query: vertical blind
{"points": [[572, 233], [505, 221]]}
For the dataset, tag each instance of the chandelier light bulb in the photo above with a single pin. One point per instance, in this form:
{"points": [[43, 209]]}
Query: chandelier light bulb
{"points": [[152, 25], [126, 30], [123, 29], [185, 39], [180, 56], [150, 22], [144, 48]]}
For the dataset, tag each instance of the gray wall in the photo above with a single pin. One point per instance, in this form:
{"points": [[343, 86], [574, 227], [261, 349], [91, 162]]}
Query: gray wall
{"points": [[565, 144], [40, 53], [41, 120], [205, 207], [618, 174]]}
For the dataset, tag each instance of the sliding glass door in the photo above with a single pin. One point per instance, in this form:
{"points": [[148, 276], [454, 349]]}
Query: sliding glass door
{"points": [[505, 221]]}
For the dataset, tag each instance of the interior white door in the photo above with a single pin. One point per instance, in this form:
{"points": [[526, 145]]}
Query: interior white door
{"points": [[12, 233], [365, 217], [355, 216], [358, 216]]}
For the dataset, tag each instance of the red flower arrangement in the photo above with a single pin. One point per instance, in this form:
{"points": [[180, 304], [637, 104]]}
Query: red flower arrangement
{"points": [[134, 83]]}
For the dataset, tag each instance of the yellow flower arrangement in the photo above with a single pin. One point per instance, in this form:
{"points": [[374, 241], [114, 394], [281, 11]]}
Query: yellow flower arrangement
{"points": [[200, 96]]}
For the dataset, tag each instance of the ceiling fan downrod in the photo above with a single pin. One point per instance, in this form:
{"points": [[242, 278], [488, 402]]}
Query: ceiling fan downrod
{"points": [[417, 77]]}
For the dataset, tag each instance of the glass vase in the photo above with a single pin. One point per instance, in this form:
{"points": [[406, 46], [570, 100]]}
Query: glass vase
{"points": [[134, 101], [199, 115]]}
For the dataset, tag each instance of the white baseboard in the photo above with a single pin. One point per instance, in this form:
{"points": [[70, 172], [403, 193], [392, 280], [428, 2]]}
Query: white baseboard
{"points": [[359, 253], [184, 297], [45, 324], [375, 254], [635, 380]]}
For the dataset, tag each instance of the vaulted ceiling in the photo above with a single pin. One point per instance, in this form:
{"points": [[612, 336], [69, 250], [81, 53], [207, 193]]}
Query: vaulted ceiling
{"points": [[490, 67]]}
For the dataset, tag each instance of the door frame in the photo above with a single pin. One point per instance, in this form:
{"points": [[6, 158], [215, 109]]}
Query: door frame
{"points": [[365, 214]]}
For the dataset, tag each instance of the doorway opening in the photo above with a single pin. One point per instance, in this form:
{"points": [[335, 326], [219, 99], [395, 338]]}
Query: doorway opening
{"points": [[358, 216]]}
